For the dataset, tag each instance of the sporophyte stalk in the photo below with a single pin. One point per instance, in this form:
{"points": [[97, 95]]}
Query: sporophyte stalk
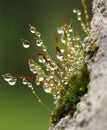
{"points": [[65, 78]]}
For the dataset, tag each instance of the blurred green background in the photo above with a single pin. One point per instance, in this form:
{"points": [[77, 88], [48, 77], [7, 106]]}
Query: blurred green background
{"points": [[19, 110]]}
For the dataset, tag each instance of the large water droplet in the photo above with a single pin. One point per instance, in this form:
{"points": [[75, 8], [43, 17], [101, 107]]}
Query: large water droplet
{"points": [[25, 43], [39, 43], [7, 77], [32, 29], [12, 81]]}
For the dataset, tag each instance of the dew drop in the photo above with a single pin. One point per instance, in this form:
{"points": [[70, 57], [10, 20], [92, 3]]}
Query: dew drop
{"points": [[32, 29], [12, 81], [63, 40], [7, 77], [53, 66], [78, 18], [59, 56], [60, 30], [32, 66], [29, 85], [41, 79], [44, 48], [47, 89], [60, 72], [37, 83], [25, 45], [69, 28], [24, 81], [37, 80], [74, 11], [33, 69], [41, 59], [79, 12], [38, 34], [62, 50], [39, 43], [39, 100]]}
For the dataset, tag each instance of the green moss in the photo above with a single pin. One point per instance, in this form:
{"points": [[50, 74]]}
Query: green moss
{"points": [[92, 50], [77, 88]]}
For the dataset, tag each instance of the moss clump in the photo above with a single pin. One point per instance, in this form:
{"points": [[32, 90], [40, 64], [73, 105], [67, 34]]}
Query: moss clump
{"points": [[77, 87]]}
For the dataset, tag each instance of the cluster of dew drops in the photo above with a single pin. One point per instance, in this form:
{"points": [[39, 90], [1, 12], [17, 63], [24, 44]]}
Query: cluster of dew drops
{"points": [[70, 51]]}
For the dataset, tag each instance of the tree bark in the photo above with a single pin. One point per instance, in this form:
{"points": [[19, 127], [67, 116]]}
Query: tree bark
{"points": [[91, 111]]}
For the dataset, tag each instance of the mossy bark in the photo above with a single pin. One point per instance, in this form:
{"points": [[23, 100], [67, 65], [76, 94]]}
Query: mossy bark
{"points": [[91, 113]]}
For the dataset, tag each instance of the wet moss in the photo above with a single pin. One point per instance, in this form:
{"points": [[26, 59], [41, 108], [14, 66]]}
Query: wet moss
{"points": [[77, 87]]}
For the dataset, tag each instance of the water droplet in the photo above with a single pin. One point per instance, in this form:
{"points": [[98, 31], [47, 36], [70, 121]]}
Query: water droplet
{"points": [[29, 85], [39, 43], [46, 88], [41, 59], [63, 40], [51, 83], [32, 66], [38, 34], [79, 18], [33, 69], [78, 12], [70, 28], [25, 45], [60, 72], [53, 66], [51, 76], [32, 29], [39, 100], [74, 11], [60, 30], [59, 56], [44, 48], [37, 83], [62, 50], [12, 81], [41, 79], [24, 81], [65, 83], [37, 80], [7, 77]]}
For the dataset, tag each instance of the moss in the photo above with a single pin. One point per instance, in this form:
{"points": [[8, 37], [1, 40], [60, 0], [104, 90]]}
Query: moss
{"points": [[92, 50], [73, 94]]}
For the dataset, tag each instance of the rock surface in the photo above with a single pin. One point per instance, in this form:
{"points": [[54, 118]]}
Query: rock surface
{"points": [[91, 112]]}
